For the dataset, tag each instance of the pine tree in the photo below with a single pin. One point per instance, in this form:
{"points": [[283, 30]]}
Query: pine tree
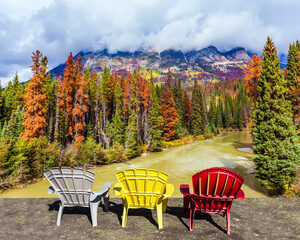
{"points": [[212, 110], [198, 112], [35, 115], [187, 111], [275, 141], [133, 141], [2, 107], [219, 114], [118, 132], [13, 95], [155, 121], [169, 113]]}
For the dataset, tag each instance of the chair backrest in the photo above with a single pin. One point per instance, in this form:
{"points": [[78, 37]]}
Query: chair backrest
{"points": [[72, 185], [142, 187], [217, 182]]}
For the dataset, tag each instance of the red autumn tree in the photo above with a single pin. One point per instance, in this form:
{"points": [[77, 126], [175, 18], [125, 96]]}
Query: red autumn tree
{"points": [[169, 113], [81, 102], [251, 76], [35, 115], [69, 93], [126, 90], [295, 92]]}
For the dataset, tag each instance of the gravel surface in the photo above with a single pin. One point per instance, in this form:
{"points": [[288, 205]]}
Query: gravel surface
{"points": [[272, 218]]}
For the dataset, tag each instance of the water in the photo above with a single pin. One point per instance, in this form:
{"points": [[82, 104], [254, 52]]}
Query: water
{"points": [[180, 163]]}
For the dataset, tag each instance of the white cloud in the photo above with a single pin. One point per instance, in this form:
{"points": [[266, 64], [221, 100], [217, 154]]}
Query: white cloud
{"points": [[56, 27]]}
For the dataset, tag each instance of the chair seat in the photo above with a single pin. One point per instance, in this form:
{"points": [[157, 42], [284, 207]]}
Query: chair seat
{"points": [[214, 191], [74, 188], [141, 188]]}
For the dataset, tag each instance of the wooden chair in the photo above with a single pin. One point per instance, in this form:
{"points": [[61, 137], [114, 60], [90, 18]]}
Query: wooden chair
{"points": [[74, 188], [141, 188], [214, 191]]}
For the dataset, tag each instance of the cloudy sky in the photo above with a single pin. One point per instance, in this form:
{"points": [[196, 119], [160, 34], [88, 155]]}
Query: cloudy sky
{"points": [[56, 27]]}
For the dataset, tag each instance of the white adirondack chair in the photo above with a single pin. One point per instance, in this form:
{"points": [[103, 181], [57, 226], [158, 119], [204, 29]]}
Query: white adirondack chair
{"points": [[74, 188]]}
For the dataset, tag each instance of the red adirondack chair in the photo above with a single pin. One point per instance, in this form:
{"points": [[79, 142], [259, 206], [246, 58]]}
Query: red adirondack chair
{"points": [[214, 190]]}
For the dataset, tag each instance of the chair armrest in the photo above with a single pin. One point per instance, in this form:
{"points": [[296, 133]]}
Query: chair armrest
{"points": [[50, 190], [240, 194], [185, 190], [168, 190], [118, 189], [105, 188]]}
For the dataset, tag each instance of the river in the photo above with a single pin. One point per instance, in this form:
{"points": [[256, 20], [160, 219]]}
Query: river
{"points": [[180, 163]]}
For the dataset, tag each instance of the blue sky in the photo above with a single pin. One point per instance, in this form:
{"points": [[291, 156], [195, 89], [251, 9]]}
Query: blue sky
{"points": [[56, 27]]}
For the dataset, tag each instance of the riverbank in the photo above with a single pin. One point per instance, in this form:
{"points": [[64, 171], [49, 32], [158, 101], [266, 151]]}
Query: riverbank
{"points": [[274, 218], [115, 156], [180, 163]]}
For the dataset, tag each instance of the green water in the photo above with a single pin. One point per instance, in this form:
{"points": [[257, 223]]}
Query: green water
{"points": [[180, 163]]}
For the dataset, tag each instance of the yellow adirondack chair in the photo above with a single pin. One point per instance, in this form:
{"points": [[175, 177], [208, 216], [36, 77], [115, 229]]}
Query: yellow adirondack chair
{"points": [[142, 188]]}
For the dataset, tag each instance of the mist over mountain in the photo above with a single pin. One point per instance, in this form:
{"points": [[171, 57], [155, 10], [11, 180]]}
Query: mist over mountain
{"points": [[206, 64]]}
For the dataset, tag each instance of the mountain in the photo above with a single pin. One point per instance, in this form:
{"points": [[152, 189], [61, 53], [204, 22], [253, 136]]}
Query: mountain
{"points": [[206, 64]]}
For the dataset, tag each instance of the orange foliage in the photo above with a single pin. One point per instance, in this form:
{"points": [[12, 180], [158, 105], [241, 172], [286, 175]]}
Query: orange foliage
{"points": [[295, 92], [144, 92], [126, 90], [168, 110], [68, 90], [251, 76], [81, 102], [35, 115]]}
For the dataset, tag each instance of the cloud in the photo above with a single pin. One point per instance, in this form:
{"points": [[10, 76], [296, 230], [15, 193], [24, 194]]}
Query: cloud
{"points": [[59, 26]]}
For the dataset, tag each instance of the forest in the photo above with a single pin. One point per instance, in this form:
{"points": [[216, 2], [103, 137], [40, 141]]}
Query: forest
{"points": [[98, 118]]}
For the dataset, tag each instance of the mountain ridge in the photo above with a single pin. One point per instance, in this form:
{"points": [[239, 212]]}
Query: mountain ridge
{"points": [[206, 64]]}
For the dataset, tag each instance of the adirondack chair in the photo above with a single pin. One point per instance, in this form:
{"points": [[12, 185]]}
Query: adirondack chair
{"points": [[214, 191], [141, 188], [74, 188]]}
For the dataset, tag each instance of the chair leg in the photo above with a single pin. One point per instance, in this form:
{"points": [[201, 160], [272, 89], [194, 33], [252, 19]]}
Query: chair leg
{"points": [[228, 220], [94, 215], [164, 204], [192, 216], [60, 212], [159, 210], [186, 201], [106, 203], [125, 214]]}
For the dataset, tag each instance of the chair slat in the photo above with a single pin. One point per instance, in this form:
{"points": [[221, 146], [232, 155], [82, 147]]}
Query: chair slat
{"points": [[216, 185], [224, 186]]}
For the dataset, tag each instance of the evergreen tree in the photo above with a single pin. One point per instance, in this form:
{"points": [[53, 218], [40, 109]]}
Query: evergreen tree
{"points": [[219, 114], [187, 111], [275, 141], [198, 112], [155, 121], [13, 95], [118, 134], [106, 103], [2, 107], [212, 111]]}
